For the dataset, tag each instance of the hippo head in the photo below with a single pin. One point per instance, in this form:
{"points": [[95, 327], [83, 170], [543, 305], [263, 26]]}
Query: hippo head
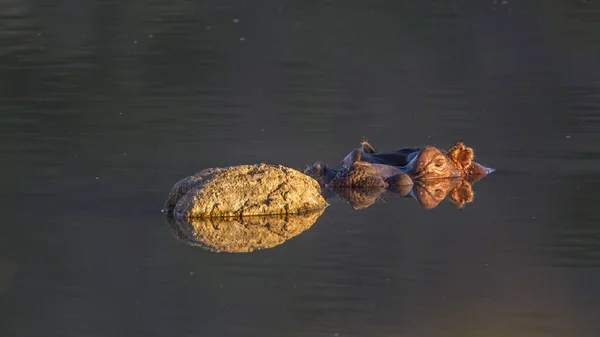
{"points": [[431, 163]]}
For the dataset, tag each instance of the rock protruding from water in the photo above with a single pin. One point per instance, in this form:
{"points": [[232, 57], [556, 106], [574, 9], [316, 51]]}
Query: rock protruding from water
{"points": [[242, 235], [244, 190]]}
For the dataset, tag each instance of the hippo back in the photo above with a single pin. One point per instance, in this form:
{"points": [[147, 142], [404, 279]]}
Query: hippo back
{"points": [[399, 157]]}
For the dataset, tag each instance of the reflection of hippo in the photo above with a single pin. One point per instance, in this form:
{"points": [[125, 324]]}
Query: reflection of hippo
{"points": [[429, 193], [365, 167]]}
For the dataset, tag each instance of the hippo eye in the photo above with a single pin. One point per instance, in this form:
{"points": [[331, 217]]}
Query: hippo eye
{"points": [[439, 163]]}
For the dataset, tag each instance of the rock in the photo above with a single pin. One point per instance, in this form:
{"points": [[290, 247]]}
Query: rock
{"points": [[242, 235], [244, 190]]}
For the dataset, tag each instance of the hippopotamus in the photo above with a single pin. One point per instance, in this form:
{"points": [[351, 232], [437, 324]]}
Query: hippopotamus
{"points": [[366, 168], [358, 173]]}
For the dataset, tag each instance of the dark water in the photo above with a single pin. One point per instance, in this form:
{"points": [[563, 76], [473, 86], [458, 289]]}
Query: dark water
{"points": [[105, 104]]}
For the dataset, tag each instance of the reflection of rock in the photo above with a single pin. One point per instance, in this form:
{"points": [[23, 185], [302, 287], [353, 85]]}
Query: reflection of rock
{"points": [[240, 235], [8, 269], [244, 190], [359, 198]]}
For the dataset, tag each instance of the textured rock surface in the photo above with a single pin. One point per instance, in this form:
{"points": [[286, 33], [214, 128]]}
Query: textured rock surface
{"points": [[244, 190], [244, 234]]}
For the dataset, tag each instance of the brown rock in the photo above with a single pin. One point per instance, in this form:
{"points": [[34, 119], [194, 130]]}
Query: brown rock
{"points": [[242, 235], [244, 190]]}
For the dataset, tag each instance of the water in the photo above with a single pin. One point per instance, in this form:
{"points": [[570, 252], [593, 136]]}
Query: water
{"points": [[105, 104]]}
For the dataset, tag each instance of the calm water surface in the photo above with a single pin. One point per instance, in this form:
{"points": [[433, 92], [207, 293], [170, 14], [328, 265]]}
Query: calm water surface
{"points": [[105, 104]]}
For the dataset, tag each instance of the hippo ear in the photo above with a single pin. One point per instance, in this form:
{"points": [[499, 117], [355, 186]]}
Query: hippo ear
{"points": [[352, 158], [461, 154], [367, 148]]}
